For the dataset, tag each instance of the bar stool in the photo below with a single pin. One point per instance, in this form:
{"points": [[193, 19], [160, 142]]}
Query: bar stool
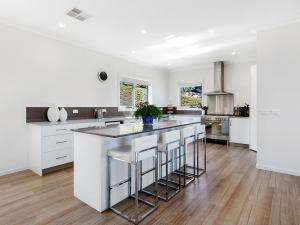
{"points": [[187, 136], [169, 143], [200, 134], [141, 148]]}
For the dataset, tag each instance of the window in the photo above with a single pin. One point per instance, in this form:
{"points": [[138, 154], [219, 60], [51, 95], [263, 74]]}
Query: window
{"points": [[190, 96], [132, 93]]}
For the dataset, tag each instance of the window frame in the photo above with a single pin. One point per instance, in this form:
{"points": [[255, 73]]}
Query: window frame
{"points": [[135, 81], [179, 107]]}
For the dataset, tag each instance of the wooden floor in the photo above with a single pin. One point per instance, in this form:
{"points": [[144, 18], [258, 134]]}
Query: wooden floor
{"points": [[232, 192]]}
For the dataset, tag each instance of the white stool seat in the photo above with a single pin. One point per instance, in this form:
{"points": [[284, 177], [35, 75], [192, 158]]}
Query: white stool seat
{"points": [[170, 141], [122, 153], [199, 131], [187, 135]]}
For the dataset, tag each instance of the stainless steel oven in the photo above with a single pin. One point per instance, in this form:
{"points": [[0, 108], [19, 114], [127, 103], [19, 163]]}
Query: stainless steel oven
{"points": [[217, 127]]}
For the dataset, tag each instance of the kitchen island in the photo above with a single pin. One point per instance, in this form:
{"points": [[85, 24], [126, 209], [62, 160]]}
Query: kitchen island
{"points": [[90, 159]]}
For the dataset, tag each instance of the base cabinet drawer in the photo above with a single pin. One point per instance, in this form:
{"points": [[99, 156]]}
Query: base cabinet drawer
{"points": [[57, 157], [57, 142], [56, 130]]}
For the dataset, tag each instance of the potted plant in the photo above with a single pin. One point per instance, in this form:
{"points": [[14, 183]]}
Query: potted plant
{"points": [[147, 113]]}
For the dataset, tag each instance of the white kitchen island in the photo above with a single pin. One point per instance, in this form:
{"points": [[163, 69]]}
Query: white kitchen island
{"points": [[90, 159]]}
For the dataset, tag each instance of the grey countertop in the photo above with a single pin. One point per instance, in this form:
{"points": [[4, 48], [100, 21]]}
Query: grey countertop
{"points": [[121, 130], [107, 119]]}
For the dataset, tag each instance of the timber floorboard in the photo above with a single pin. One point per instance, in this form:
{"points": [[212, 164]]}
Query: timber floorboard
{"points": [[231, 192]]}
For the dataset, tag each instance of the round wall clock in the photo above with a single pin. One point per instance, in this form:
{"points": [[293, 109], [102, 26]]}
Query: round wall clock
{"points": [[102, 76]]}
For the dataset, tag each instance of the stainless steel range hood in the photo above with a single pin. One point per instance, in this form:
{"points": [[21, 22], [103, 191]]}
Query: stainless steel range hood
{"points": [[218, 80], [219, 101]]}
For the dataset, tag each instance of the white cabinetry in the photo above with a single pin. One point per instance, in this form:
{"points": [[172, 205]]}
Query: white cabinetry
{"points": [[53, 145], [239, 131]]}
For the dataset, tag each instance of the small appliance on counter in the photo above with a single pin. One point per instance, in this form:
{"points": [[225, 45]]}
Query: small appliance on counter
{"points": [[242, 110], [99, 113]]}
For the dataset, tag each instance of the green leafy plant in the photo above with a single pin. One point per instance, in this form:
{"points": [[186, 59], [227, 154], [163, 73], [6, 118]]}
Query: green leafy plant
{"points": [[144, 110]]}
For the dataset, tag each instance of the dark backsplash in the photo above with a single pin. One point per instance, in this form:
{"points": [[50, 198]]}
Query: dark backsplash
{"points": [[189, 112], [39, 114]]}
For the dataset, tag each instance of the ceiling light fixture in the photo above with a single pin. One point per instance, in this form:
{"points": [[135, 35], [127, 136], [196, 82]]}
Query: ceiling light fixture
{"points": [[233, 53], [133, 52], [211, 31], [61, 25], [143, 31]]}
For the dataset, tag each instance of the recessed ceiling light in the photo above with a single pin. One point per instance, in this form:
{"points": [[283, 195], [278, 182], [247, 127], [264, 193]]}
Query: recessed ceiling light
{"points": [[211, 31], [143, 31], [233, 53], [169, 64], [133, 52], [61, 25]]}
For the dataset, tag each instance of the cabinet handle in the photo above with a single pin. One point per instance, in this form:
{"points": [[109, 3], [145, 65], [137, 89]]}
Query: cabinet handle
{"points": [[61, 157], [61, 129], [61, 142]]}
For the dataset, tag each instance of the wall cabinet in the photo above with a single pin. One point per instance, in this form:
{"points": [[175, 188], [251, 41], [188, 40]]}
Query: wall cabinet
{"points": [[239, 130]]}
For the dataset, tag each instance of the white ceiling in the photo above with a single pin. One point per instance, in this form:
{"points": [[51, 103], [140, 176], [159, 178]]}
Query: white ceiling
{"points": [[177, 30]]}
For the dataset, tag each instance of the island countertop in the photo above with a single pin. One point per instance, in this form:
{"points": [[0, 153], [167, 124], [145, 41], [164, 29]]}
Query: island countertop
{"points": [[122, 130]]}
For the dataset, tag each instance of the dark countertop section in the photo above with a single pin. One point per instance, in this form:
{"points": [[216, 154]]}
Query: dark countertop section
{"points": [[243, 117], [122, 130]]}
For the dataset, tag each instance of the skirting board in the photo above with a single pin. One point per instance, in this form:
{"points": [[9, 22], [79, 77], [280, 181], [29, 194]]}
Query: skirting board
{"points": [[6, 172], [277, 170]]}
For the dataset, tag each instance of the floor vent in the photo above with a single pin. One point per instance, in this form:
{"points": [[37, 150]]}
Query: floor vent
{"points": [[78, 14]]}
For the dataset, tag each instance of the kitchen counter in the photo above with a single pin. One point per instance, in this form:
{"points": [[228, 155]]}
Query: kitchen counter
{"points": [[107, 119], [121, 130]]}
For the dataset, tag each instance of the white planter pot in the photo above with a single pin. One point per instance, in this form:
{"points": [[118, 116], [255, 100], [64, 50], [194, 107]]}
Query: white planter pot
{"points": [[53, 114], [63, 115]]}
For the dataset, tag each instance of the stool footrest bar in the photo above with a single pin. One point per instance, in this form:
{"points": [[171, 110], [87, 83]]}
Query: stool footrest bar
{"points": [[120, 183]]}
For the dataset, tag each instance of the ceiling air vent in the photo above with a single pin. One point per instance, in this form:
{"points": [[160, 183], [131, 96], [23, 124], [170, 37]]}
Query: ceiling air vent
{"points": [[78, 14]]}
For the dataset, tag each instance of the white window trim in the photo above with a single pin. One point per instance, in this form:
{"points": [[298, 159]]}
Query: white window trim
{"points": [[181, 85], [135, 80]]}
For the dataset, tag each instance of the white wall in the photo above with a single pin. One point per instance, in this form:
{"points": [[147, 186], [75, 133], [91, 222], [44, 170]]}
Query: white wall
{"points": [[203, 75], [279, 92], [237, 81], [39, 71]]}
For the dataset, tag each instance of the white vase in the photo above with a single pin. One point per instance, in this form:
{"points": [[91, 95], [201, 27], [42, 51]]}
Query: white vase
{"points": [[63, 115], [53, 114]]}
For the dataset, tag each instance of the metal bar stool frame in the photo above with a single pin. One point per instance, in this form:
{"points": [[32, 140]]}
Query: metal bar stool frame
{"points": [[185, 174], [166, 180], [200, 171], [137, 164]]}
